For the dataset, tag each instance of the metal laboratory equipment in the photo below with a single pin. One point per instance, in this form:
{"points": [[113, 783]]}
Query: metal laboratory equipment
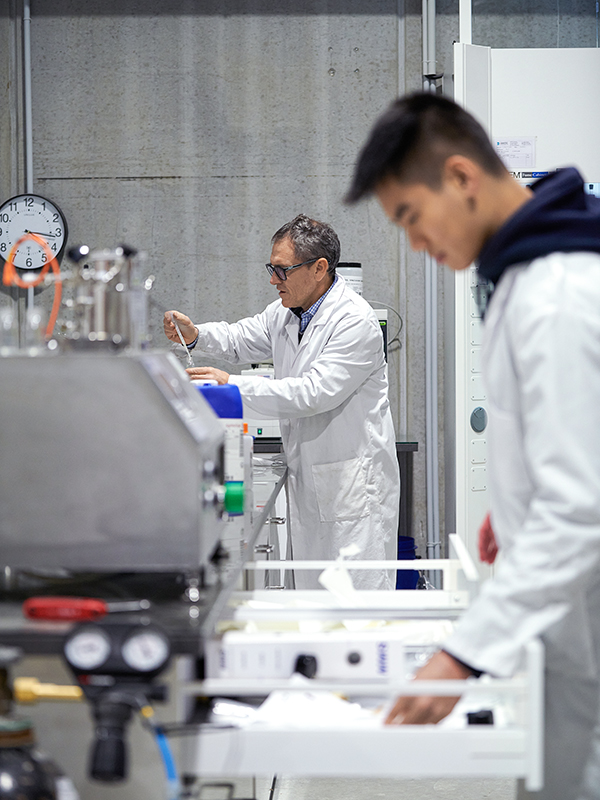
{"points": [[109, 298], [111, 463], [111, 489]]}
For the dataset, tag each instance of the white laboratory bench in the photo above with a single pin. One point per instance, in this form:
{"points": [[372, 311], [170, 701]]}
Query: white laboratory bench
{"points": [[511, 747]]}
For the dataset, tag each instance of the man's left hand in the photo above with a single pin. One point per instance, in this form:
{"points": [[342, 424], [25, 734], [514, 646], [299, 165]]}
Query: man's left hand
{"points": [[208, 373], [486, 542], [421, 709]]}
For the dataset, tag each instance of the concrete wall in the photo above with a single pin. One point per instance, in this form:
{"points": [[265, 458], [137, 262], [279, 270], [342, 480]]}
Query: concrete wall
{"points": [[194, 130]]}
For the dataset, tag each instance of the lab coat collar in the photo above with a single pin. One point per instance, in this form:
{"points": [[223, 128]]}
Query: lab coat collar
{"points": [[292, 323], [333, 297]]}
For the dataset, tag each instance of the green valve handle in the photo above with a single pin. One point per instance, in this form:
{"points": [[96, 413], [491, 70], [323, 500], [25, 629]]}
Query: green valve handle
{"points": [[234, 497]]}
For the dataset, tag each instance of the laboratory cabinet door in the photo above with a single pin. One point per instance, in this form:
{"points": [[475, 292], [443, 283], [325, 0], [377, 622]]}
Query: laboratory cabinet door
{"points": [[541, 110]]}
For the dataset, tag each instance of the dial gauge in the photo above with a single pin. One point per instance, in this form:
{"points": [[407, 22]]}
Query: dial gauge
{"points": [[88, 649], [30, 213], [145, 650]]}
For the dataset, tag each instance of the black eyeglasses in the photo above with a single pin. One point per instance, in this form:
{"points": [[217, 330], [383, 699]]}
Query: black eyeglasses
{"points": [[280, 271]]}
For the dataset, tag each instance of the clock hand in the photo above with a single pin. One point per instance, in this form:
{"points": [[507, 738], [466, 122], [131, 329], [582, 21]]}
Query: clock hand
{"points": [[39, 233]]}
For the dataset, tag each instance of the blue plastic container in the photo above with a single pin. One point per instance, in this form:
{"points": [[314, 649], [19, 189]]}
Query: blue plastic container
{"points": [[226, 400], [406, 579]]}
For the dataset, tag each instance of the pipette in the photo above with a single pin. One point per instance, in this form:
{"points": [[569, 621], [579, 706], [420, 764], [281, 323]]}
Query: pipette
{"points": [[190, 360]]}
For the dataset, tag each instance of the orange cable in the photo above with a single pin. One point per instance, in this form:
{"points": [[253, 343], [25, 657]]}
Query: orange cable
{"points": [[11, 277]]}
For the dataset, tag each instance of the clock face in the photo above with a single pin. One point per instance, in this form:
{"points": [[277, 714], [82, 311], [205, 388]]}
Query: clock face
{"points": [[31, 213]]}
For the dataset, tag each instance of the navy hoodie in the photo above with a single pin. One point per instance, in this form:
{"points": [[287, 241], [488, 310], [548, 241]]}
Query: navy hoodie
{"points": [[560, 217]]}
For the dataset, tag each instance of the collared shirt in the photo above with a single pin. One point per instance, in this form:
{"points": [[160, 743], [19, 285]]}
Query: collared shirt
{"points": [[306, 316]]}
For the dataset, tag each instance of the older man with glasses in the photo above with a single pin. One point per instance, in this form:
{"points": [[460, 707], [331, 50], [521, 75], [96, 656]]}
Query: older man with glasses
{"points": [[330, 394]]}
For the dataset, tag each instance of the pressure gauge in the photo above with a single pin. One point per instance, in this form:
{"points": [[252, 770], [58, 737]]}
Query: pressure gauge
{"points": [[88, 649], [30, 213], [145, 650]]}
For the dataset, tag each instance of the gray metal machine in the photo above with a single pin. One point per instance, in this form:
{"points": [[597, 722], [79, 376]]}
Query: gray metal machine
{"points": [[108, 462]]}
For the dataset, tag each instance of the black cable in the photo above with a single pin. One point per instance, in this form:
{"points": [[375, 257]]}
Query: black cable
{"points": [[272, 792]]}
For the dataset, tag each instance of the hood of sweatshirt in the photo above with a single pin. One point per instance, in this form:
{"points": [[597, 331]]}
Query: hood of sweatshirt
{"points": [[560, 217]]}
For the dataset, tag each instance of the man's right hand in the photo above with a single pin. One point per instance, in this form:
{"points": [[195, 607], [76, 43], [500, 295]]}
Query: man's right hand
{"points": [[186, 326]]}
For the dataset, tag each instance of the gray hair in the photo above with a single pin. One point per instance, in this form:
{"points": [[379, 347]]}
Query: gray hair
{"points": [[311, 239]]}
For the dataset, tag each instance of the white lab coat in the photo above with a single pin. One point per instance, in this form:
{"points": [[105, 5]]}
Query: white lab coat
{"points": [[541, 361], [330, 394]]}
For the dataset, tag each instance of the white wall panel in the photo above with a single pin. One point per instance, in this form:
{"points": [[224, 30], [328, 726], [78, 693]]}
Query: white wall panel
{"points": [[553, 95]]}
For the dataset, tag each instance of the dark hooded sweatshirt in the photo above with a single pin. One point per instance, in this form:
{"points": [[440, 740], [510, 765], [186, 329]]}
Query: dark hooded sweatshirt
{"points": [[560, 218]]}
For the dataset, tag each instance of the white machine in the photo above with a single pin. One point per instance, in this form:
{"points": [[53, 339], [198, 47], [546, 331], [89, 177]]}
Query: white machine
{"points": [[263, 428]]}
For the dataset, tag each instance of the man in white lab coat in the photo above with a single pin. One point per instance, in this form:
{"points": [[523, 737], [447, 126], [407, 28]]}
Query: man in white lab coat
{"points": [[330, 394], [435, 173]]}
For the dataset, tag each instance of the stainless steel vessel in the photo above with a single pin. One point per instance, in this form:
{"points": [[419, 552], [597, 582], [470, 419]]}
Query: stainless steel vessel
{"points": [[109, 298]]}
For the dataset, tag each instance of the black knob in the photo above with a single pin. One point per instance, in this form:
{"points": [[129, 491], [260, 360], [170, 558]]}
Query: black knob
{"points": [[306, 665], [108, 761], [354, 658], [483, 717], [479, 419]]}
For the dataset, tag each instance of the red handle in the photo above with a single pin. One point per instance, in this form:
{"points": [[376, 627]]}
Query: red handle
{"points": [[69, 609]]}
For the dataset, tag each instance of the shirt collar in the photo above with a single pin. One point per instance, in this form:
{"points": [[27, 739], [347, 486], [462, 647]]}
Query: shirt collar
{"points": [[306, 316]]}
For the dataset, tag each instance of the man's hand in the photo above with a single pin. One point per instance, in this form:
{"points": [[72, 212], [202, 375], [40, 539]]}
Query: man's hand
{"points": [[488, 549], [208, 373], [423, 710], [187, 328]]}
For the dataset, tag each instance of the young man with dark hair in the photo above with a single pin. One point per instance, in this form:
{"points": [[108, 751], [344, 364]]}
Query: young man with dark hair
{"points": [[435, 173]]}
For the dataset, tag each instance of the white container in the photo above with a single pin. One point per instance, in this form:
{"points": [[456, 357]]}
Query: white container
{"points": [[263, 428], [352, 272], [341, 655]]}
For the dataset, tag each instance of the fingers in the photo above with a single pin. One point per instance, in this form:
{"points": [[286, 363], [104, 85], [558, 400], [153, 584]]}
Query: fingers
{"points": [[185, 324], [486, 525], [422, 710], [486, 542], [196, 373], [488, 552], [396, 714], [482, 546], [182, 319], [208, 373], [169, 327]]}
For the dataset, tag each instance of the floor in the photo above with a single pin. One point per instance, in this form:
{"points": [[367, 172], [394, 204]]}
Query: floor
{"points": [[355, 789]]}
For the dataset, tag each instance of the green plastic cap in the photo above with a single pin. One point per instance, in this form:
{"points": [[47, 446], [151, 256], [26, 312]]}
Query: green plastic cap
{"points": [[234, 498]]}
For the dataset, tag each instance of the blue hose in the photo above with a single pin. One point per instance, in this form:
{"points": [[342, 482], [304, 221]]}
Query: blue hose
{"points": [[169, 764]]}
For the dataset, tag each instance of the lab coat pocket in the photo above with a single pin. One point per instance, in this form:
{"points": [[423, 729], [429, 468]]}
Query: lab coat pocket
{"points": [[341, 490]]}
